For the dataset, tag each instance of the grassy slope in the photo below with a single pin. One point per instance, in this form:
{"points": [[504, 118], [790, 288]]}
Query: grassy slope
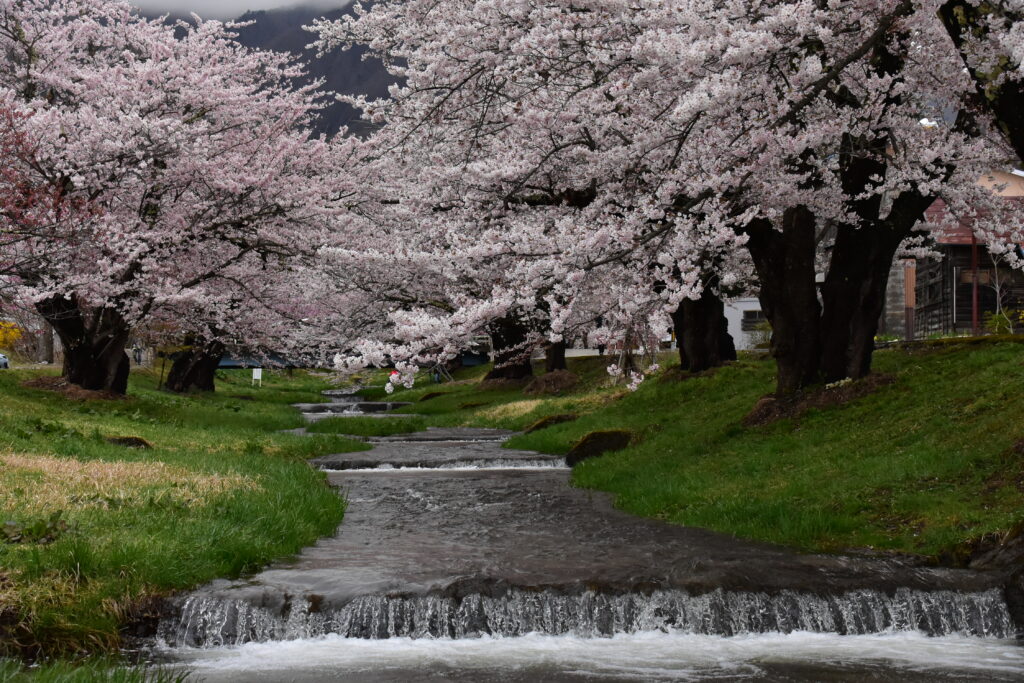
{"points": [[129, 541], [922, 465]]}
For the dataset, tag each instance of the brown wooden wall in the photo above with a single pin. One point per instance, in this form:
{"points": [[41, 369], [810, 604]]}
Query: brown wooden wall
{"points": [[944, 291]]}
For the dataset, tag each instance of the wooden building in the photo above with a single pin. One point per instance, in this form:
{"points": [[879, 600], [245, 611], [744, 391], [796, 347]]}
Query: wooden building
{"points": [[945, 290], [929, 296]]}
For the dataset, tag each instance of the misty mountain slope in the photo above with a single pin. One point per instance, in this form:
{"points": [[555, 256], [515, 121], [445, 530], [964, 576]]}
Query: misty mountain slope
{"points": [[343, 72]]}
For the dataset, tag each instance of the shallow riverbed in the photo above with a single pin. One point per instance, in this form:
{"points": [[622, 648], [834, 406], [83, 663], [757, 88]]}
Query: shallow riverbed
{"points": [[459, 560]]}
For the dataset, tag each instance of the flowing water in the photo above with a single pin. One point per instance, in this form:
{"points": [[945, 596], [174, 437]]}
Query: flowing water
{"points": [[460, 560], [649, 656], [216, 621]]}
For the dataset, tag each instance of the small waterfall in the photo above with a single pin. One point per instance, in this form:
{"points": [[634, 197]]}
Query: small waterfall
{"points": [[210, 621], [468, 464]]}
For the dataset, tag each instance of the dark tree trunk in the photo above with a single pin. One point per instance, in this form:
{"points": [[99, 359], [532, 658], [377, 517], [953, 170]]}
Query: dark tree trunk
{"points": [[835, 339], [554, 357], [1004, 97], [94, 343], [784, 261], [195, 369], [511, 357], [853, 294], [702, 333]]}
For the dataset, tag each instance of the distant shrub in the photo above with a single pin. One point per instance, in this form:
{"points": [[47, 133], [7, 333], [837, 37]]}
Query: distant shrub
{"points": [[761, 337], [1007, 321], [9, 334]]}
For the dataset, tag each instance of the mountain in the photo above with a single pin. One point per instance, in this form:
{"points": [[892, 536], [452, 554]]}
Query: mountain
{"points": [[343, 71]]}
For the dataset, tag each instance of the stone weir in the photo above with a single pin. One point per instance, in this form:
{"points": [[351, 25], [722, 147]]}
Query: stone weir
{"points": [[439, 454], [516, 549], [349, 404]]}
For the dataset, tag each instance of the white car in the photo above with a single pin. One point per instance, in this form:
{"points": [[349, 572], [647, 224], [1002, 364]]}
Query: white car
{"points": [[4, 363]]}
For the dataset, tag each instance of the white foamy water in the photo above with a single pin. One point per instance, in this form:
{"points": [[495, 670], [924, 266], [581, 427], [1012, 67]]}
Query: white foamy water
{"points": [[641, 657], [463, 466]]}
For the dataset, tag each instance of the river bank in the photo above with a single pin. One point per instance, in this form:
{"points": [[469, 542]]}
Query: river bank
{"points": [[923, 470], [112, 504], [928, 463]]}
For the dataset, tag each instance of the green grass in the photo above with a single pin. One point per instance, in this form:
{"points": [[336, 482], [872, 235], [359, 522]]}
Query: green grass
{"points": [[923, 465], [236, 495], [366, 426], [463, 403], [97, 671]]}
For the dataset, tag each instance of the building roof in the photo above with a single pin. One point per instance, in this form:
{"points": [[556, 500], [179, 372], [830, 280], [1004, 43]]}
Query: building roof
{"points": [[950, 234], [1002, 183]]}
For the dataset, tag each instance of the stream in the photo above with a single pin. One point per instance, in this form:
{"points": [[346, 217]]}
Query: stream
{"points": [[460, 560]]}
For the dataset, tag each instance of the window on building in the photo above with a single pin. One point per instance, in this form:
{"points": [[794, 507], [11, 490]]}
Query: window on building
{"points": [[751, 320]]}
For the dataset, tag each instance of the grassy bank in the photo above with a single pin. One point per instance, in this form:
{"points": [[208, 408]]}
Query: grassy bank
{"points": [[924, 464], [367, 426], [99, 670], [96, 530]]}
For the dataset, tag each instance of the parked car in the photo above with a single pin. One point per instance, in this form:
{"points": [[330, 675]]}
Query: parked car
{"points": [[4, 363]]}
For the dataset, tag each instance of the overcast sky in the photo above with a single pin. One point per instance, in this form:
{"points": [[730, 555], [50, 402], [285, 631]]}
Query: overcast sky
{"points": [[227, 9]]}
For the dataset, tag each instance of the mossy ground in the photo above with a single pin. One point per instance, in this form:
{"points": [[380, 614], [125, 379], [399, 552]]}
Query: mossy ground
{"points": [[219, 493]]}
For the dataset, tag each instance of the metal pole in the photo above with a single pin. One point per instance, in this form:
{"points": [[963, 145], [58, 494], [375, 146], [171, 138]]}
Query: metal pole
{"points": [[974, 285]]}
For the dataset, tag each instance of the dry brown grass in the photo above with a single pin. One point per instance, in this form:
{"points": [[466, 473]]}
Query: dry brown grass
{"points": [[71, 391], [582, 404], [588, 403], [43, 483], [513, 409]]}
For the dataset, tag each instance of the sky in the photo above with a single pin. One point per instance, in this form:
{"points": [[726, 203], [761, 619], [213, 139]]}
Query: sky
{"points": [[227, 9]]}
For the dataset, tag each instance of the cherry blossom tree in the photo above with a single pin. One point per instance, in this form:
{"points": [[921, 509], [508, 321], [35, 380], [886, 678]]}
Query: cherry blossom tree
{"points": [[296, 315], [677, 146], [480, 228], [990, 37], [32, 211], [243, 314], [191, 155]]}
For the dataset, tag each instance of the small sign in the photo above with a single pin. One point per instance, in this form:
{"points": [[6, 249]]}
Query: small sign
{"points": [[984, 277], [257, 376]]}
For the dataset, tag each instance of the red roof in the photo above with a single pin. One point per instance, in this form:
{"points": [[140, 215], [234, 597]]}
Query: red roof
{"points": [[959, 233]]}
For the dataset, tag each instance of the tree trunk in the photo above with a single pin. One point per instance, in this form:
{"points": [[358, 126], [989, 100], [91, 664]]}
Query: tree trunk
{"points": [[784, 261], [554, 357], [94, 342], [195, 369], [511, 357], [702, 333], [45, 348], [853, 297], [853, 294]]}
